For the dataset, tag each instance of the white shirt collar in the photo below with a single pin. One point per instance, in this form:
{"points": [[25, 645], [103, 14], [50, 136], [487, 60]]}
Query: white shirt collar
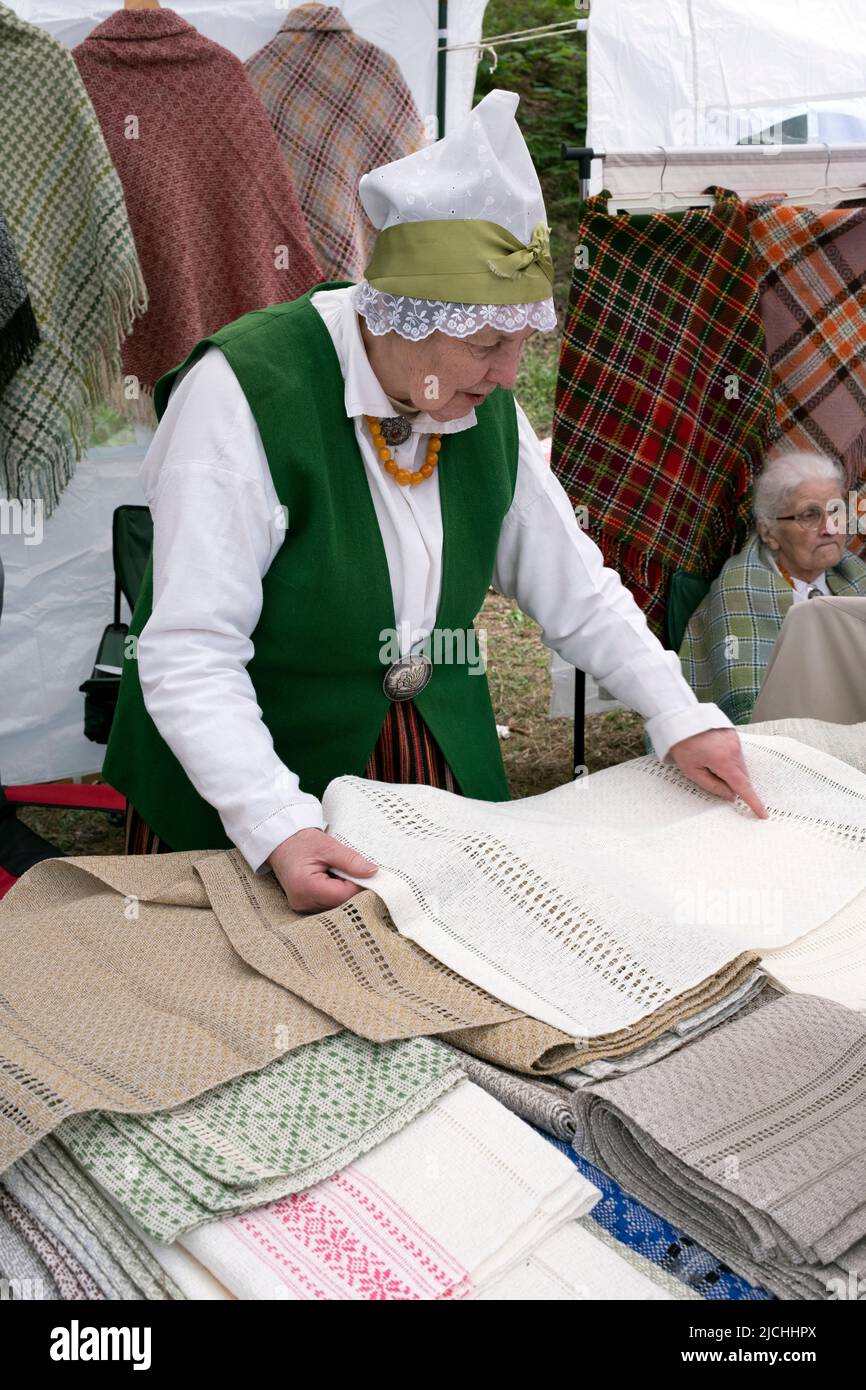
{"points": [[364, 394], [801, 586]]}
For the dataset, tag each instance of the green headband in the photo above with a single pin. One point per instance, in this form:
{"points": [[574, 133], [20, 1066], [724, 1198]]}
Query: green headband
{"points": [[465, 261]]}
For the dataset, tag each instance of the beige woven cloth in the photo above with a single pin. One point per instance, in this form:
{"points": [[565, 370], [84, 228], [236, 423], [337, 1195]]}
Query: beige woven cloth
{"points": [[134, 983], [121, 992], [355, 965], [816, 668]]}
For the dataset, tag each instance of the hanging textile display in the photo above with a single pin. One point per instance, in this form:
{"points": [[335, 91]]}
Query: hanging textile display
{"points": [[19, 331], [663, 402], [340, 107], [64, 206], [811, 269], [211, 203]]}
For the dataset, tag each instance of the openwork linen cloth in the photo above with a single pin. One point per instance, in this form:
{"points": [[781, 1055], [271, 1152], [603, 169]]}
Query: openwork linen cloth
{"points": [[551, 1106], [339, 106], [353, 964], [666, 1248], [19, 331], [768, 1175], [580, 1261], [830, 962], [811, 269], [663, 402], [847, 742], [29, 1251], [62, 1197], [731, 634], [152, 1006], [261, 1136], [211, 202], [600, 902], [65, 208], [436, 1212]]}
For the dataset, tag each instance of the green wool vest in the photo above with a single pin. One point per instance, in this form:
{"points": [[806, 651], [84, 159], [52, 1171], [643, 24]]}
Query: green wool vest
{"points": [[318, 666]]}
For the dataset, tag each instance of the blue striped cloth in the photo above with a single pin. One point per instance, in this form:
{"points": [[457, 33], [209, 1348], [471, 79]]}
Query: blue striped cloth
{"points": [[633, 1224]]}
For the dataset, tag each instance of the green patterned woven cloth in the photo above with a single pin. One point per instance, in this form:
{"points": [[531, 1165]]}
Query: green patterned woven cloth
{"points": [[261, 1136], [66, 212]]}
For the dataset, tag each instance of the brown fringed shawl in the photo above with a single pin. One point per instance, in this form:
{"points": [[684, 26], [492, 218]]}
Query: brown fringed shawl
{"points": [[211, 202]]}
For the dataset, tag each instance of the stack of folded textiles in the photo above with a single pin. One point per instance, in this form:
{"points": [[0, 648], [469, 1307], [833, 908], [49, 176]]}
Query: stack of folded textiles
{"points": [[768, 1174], [232, 1099]]}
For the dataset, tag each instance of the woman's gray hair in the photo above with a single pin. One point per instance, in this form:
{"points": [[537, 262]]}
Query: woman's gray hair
{"points": [[780, 476]]}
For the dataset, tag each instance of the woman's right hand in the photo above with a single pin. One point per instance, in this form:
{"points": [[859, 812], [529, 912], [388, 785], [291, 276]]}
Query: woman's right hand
{"points": [[301, 863]]}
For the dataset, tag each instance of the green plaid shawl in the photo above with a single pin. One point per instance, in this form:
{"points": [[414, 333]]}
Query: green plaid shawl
{"points": [[648, 435], [67, 217], [731, 635]]}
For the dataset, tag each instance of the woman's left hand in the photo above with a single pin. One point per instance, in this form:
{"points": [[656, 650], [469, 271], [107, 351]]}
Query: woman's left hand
{"points": [[714, 761]]}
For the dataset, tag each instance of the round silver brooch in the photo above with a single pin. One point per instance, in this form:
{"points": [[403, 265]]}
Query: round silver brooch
{"points": [[395, 429], [407, 677]]}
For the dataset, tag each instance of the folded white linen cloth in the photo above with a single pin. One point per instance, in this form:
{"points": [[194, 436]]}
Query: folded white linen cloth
{"points": [[830, 961], [435, 1212], [592, 905], [581, 1261]]}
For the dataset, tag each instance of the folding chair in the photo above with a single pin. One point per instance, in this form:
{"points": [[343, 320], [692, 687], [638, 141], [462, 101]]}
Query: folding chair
{"points": [[21, 847]]}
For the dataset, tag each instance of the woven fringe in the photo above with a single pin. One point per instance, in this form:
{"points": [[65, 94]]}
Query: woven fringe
{"points": [[19, 339], [92, 388]]}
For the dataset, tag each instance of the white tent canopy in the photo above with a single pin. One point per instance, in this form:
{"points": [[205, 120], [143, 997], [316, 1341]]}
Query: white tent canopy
{"points": [[712, 72]]}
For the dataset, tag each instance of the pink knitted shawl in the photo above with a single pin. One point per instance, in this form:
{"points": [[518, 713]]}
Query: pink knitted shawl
{"points": [[211, 203]]}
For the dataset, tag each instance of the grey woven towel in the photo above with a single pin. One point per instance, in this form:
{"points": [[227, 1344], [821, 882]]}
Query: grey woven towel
{"points": [[66, 1203], [73, 1281], [752, 1139], [26, 1277]]}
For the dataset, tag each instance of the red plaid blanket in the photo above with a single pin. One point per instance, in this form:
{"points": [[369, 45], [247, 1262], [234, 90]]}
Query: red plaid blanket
{"points": [[664, 404]]}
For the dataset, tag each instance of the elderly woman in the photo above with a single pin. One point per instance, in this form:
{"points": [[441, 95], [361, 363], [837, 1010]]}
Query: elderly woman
{"points": [[797, 550], [335, 482]]}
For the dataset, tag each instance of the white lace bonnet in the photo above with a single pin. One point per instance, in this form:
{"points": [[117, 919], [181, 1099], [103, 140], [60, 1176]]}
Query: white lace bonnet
{"points": [[466, 216]]}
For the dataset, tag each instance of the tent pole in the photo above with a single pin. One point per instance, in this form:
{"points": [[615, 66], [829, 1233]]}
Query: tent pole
{"points": [[441, 69]]}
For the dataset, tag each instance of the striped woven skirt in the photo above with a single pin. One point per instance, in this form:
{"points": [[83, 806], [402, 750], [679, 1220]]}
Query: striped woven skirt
{"points": [[405, 751]]}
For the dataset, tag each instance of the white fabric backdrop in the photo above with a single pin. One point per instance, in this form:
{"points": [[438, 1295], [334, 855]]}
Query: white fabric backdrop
{"points": [[59, 593], [684, 71], [59, 597]]}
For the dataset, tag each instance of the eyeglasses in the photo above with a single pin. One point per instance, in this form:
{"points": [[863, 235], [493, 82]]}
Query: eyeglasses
{"points": [[812, 518]]}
